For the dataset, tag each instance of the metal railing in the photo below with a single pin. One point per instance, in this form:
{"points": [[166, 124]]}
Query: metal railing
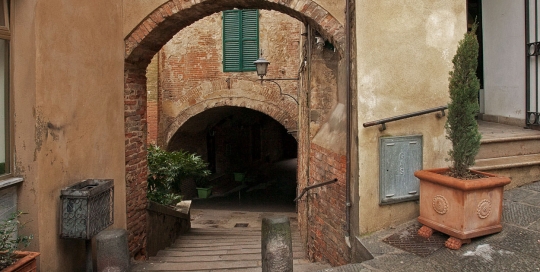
{"points": [[304, 191], [383, 122]]}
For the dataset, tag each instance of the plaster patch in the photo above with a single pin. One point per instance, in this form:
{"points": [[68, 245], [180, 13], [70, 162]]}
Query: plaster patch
{"points": [[367, 94], [486, 252], [440, 29], [401, 15]]}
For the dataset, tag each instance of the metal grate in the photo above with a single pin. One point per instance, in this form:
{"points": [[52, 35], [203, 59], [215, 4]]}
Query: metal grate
{"points": [[410, 241], [87, 208], [241, 225]]}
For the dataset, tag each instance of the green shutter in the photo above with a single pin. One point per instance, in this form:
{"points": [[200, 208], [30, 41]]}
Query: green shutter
{"points": [[250, 39], [240, 40], [231, 41]]}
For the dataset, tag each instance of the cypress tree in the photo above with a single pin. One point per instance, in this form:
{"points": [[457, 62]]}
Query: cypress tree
{"points": [[461, 125]]}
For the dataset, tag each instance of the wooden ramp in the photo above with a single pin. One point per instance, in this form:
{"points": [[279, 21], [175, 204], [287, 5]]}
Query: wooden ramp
{"points": [[221, 249]]}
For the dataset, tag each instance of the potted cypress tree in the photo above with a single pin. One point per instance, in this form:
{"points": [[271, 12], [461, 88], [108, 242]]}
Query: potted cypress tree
{"points": [[458, 201]]}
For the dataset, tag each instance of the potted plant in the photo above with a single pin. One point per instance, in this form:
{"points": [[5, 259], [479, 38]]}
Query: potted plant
{"points": [[168, 172], [458, 201], [204, 190], [10, 258]]}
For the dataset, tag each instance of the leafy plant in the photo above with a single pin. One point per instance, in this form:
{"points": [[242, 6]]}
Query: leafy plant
{"points": [[166, 170], [10, 241], [461, 125]]}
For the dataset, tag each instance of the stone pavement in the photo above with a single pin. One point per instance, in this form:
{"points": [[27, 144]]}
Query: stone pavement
{"points": [[516, 248]]}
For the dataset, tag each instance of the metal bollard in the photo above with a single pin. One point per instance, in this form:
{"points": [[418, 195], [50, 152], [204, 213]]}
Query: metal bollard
{"points": [[276, 245], [112, 251]]}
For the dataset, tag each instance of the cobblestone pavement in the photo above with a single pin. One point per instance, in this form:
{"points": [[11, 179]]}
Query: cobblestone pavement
{"points": [[516, 248]]}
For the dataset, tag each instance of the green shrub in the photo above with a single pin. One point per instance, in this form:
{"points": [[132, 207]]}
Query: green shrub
{"points": [[461, 125], [10, 241], [166, 170]]}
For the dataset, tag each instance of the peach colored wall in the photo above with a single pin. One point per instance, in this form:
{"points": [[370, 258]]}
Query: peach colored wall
{"points": [[404, 52], [68, 99]]}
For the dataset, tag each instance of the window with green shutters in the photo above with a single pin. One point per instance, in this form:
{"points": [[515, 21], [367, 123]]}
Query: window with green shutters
{"points": [[240, 40]]}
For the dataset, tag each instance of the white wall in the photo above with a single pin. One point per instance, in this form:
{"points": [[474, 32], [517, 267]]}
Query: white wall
{"points": [[503, 24]]}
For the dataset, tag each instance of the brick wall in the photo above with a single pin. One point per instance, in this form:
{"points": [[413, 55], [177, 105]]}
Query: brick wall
{"points": [[152, 100], [136, 164], [326, 211], [145, 41], [192, 80]]}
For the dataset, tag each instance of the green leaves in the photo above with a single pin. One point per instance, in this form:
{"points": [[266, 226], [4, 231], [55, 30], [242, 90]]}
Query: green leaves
{"points": [[461, 125], [10, 241], [166, 170]]}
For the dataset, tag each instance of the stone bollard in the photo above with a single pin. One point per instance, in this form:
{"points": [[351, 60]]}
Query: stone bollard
{"points": [[112, 251], [276, 245]]}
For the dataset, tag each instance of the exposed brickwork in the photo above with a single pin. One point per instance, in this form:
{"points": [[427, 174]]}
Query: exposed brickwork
{"points": [[284, 113], [144, 42], [162, 24], [136, 165], [152, 100], [191, 73], [326, 211]]}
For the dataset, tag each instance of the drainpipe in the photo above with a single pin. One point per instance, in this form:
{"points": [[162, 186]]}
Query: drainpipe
{"points": [[308, 104], [349, 122]]}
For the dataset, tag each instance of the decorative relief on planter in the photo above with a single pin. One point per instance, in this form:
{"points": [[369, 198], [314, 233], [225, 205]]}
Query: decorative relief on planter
{"points": [[440, 204], [484, 209]]}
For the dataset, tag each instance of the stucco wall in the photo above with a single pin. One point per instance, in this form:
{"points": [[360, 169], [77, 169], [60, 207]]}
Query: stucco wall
{"points": [[503, 24], [404, 52], [68, 97]]}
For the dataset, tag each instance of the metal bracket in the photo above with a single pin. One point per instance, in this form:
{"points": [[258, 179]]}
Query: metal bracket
{"points": [[441, 114]]}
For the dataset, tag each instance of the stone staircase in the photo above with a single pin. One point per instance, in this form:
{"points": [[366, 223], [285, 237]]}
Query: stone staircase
{"points": [[509, 151], [221, 249]]}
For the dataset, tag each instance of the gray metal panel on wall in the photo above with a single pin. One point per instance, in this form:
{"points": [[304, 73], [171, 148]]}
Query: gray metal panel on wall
{"points": [[399, 158]]}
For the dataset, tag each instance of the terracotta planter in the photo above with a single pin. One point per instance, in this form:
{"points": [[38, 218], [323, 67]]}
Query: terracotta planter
{"points": [[463, 209], [26, 263]]}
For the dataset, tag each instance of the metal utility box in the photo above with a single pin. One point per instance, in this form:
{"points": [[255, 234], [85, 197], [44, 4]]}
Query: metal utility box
{"points": [[87, 208], [399, 158]]}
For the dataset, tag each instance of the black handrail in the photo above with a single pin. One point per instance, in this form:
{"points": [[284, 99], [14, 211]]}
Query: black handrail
{"points": [[314, 186], [383, 122]]}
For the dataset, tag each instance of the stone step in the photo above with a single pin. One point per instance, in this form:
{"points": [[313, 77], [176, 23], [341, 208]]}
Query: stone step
{"points": [[509, 146], [522, 169], [221, 249], [204, 265], [298, 251]]}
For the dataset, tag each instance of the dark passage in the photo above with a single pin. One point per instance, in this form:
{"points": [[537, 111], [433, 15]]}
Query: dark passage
{"points": [[252, 158]]}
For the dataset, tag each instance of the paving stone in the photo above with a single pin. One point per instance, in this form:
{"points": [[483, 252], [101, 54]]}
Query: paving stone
{"points": [[533, 186], [394, 262], [535, 226], [482, 255], [520, 214], [533, 200], [517, 194], [518, 240]]}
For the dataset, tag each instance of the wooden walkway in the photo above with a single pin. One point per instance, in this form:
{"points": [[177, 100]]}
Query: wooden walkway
{"points": [[221, 249]]}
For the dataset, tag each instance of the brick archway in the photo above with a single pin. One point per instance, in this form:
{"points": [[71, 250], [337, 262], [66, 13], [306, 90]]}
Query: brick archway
{"points": [[144, 42], [252, 95], [281, 116]]}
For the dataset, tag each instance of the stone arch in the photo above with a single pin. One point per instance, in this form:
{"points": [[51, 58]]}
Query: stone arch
{"points": [[172, 16], [285, 118], [144, 41]]}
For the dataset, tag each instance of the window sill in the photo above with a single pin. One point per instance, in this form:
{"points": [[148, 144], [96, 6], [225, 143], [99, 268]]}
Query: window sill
{"points": [[10, 181]]}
